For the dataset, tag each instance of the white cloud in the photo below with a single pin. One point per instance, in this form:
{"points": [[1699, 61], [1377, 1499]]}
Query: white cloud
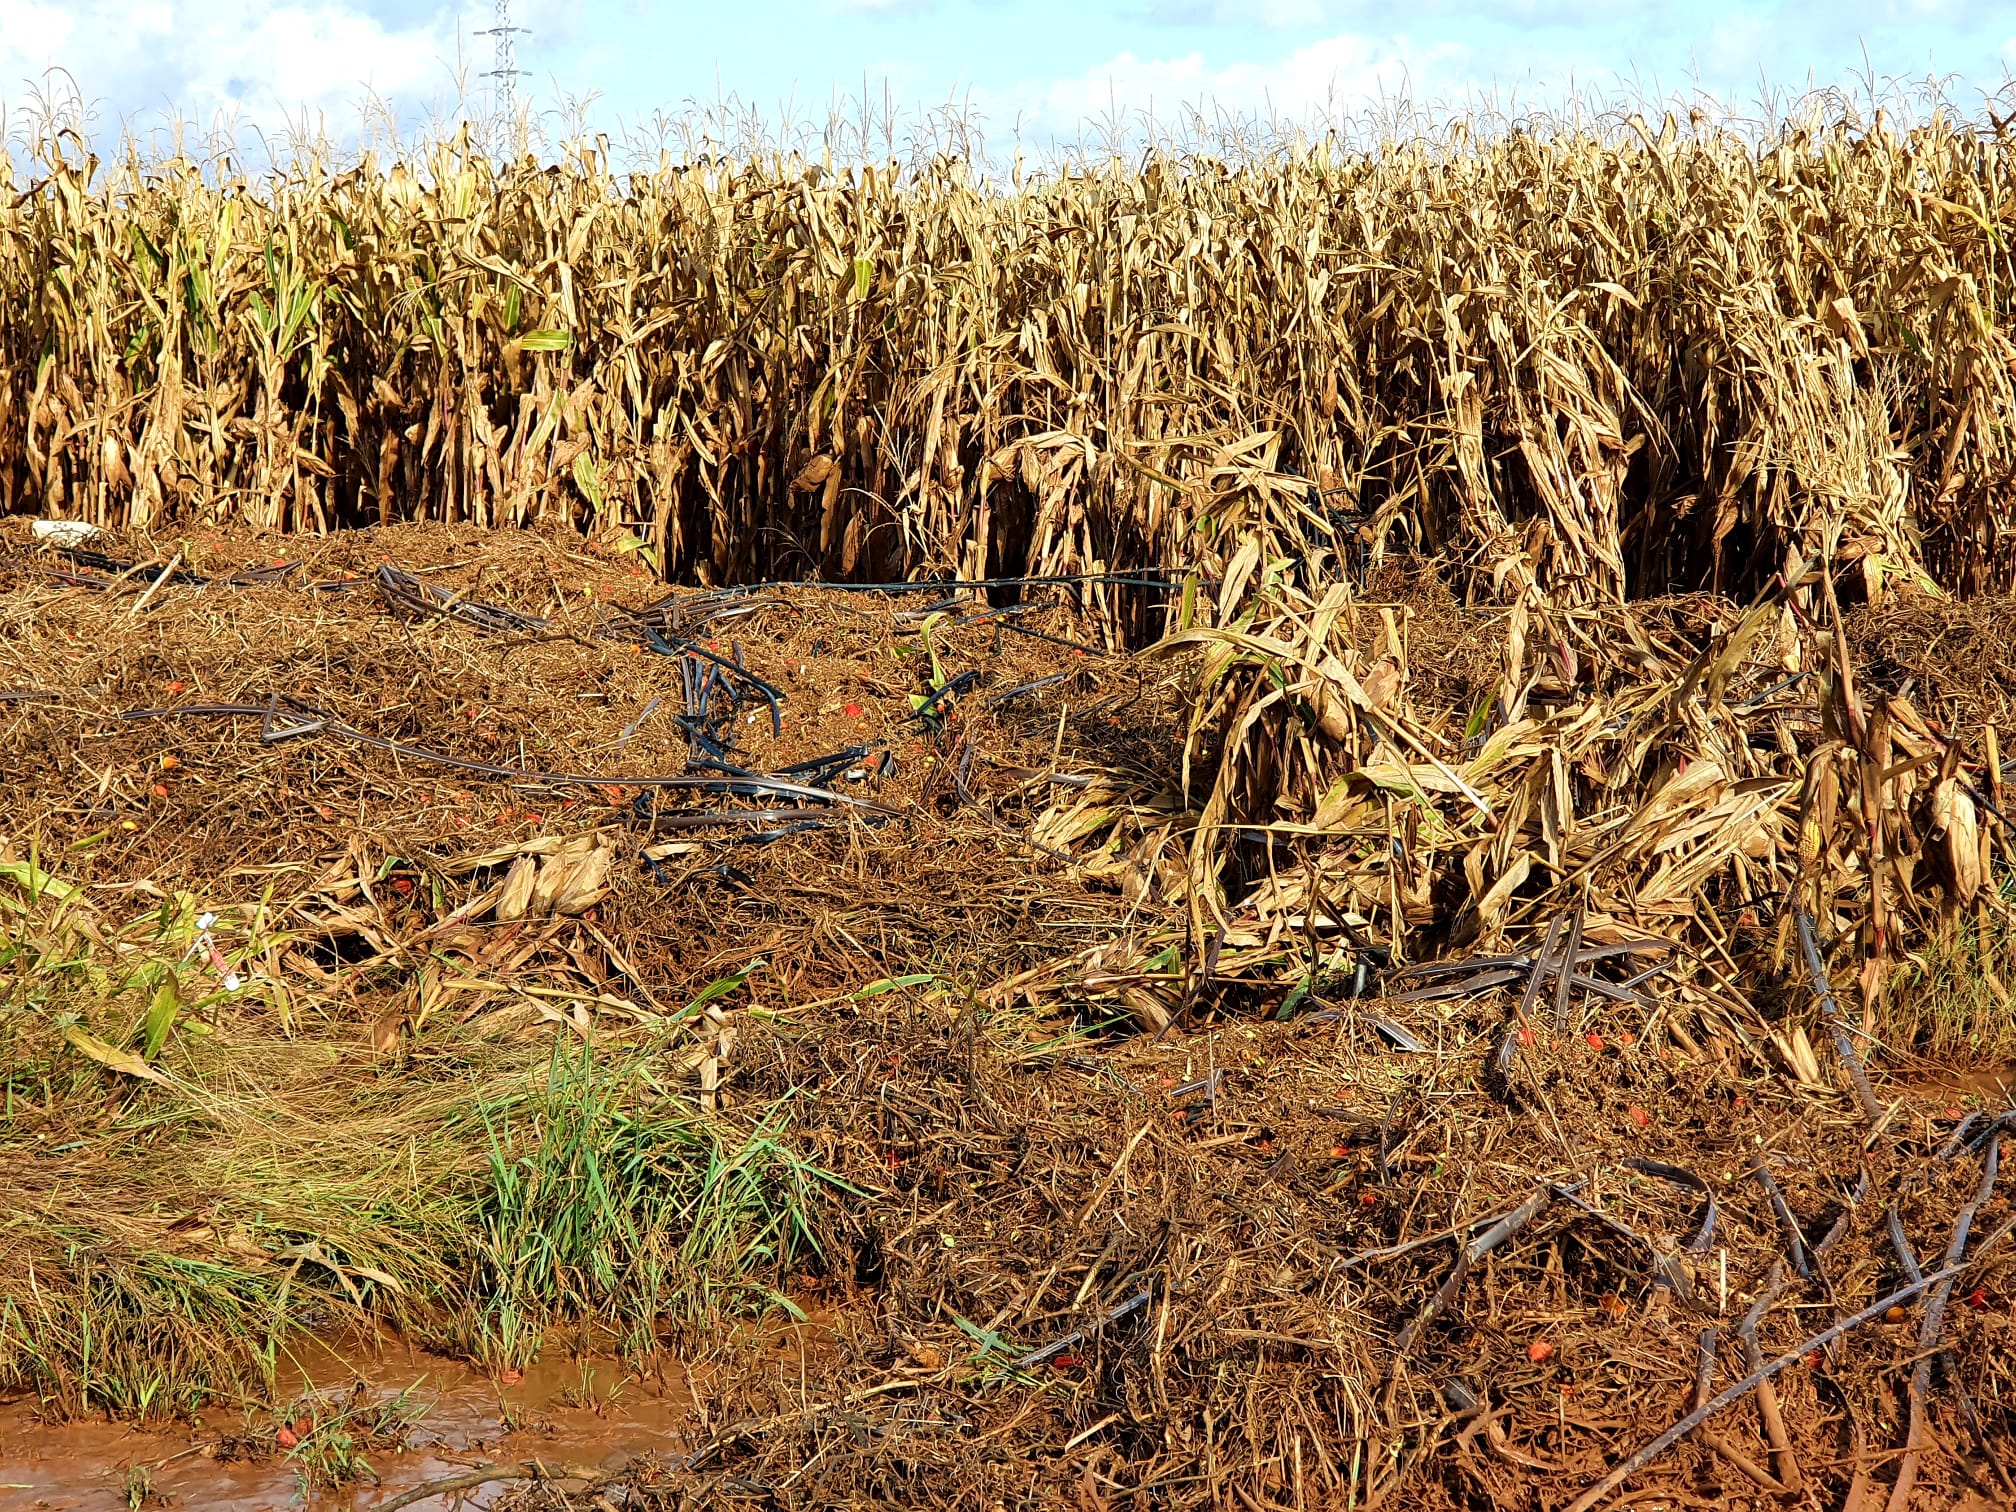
{"points": [[1342, 74], [259, 62], [34, 29]]}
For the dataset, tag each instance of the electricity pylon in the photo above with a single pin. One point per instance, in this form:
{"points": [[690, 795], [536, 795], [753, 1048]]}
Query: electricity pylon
{"points": [[507, 72]]}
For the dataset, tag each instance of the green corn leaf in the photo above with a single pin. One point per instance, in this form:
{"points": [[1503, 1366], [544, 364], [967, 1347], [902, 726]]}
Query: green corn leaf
{"points": [[161, 1014]]}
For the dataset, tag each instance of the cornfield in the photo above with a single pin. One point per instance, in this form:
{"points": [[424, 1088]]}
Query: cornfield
{"points": [[1592, 365], [1586, 677]]}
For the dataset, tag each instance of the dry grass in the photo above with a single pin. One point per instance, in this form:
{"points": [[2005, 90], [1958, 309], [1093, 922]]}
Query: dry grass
{"points": [[1613, 363], [1027, 1192]]}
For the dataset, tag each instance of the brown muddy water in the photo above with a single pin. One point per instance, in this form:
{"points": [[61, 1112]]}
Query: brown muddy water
{"points": [[1993, 1088], [597, 1414]]}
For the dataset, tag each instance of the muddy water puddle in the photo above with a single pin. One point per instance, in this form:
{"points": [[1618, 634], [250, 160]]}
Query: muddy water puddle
{"points": [[412, 1417], [1989, 1088]]}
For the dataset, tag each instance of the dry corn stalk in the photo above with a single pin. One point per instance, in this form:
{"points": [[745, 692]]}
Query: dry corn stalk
{"points": [[1594, 366]]}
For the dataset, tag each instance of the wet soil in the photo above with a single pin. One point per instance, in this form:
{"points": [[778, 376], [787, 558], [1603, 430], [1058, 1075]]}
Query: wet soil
{"points": [[595, 1413]]}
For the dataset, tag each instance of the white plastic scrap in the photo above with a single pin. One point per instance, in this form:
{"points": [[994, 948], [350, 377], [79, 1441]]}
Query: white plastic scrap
{"points": [[64, 532]]}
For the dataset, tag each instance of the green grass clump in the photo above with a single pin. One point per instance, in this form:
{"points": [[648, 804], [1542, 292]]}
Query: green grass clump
{"points": [[593, 1207], [198, 1178]]}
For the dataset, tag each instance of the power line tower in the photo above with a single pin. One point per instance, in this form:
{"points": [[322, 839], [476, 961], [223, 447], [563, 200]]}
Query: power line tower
{"points": [[507, 72]]}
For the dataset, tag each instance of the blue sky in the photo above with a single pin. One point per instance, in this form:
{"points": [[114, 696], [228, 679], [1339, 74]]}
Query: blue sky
{"points": [[1040, 66]]}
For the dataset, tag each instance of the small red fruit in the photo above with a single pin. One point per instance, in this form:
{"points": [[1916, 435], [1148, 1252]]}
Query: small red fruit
{"points": [[1368, 1199], [1978, 1298], [177, 687], [286, 1438], [1525, 1036], [852, 711], [510, 1375], [160, 791], [403, 884], [1639, 1116], [1595, 1040], [1540, 1351]]}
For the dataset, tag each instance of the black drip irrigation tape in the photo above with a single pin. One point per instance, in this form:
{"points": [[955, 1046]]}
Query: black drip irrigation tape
{"points": [[406, 594], [966, 585], [673, 613], [927, 712], [1030, 687], [311, 721], [798, 818], [1055, 640], [97, 561], [682, 647], [832, 761]]}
